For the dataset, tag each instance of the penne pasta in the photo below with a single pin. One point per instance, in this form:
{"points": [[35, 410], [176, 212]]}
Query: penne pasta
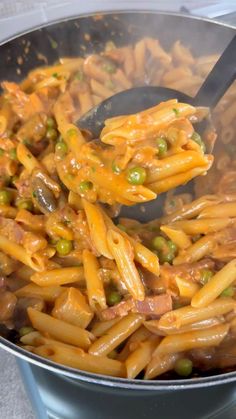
{"points": [[196, 339], [116, 335], [187, 315], [221, 280], [48, 294], [107, 294], [124, 257], [77, 358], [58, 276], [95, 289], [139, 358], [160, 365], [59, 329]]}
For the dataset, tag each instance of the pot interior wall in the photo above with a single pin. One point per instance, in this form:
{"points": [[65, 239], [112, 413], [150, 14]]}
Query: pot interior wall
{"points": [[86, 35]]}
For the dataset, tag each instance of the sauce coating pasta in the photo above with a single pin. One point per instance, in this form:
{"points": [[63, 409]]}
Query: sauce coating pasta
{"points": [[112, 297]]}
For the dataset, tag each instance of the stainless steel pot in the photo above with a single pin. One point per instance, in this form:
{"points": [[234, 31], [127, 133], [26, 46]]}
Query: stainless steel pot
{"points": [[75, 394]]}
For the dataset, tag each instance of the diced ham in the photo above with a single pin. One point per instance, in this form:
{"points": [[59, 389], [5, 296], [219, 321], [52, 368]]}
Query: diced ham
{"points": [[188, 271], [11, 230], [151, 306], [155, 305], [119, 310]]}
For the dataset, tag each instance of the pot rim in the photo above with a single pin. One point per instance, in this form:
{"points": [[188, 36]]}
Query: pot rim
{"points": [[91, 378], [121, 383], [109, 12]]}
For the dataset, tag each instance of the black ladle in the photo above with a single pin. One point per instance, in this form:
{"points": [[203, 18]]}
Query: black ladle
{"points": [[139, 98]]}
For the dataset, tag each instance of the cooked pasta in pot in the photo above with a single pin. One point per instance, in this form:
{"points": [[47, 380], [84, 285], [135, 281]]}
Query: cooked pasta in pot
{"points": [[122, 299]]}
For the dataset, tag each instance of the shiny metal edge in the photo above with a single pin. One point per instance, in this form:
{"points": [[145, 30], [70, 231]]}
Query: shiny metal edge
{"points": [[122, 383], [115, 12]]}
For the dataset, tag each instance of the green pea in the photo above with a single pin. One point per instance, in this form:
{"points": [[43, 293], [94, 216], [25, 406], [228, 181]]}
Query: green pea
{"points": [[26, 204], [71, 132], [172, 246], [205, 276], [136, 175], [61, 148], [228, 292], [115, 168], [50, 123], [166, 257], [5, 197], [1, 152], [121, 227], [12, 154], [176, 111], [26, 141], [183, 367], [79, 75], [159, 243], [162, 146], [109, 68], [64, 247], [85, 186], [113, 298], [25, 330], [197, 138], [51, 134]]}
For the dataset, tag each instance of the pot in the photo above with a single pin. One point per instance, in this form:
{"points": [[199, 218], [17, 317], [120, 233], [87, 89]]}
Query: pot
{"points": [[73, 394]]}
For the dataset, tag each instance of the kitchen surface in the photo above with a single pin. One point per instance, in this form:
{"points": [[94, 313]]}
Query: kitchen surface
{"points": [[19, 16]]}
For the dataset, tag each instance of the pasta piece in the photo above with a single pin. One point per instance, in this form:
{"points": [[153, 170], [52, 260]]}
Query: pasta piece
{"points": [[179, 179], [97, 228], [77, 358], [96, 294], [140, 358], [116, 335], [187, 289], [191, 209], [203, 226], [187, 315], [71, 307], [178, 236], [169, 329], [160, 119], [58, 276], [18, 252], [211, 290], [196, 251], [27, 158], [123, 254], [48, 294], [159, 365], [223, 210], [173, 165], [212, 336], [142, 254], [101, 327], [8, 211], [59, 329]]}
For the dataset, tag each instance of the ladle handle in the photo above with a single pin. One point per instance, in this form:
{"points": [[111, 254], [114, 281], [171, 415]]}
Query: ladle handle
{"points": [[219, 79]]}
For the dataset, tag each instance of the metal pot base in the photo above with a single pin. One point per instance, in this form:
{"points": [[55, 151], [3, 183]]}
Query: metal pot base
{"points": [[56, 396]]}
